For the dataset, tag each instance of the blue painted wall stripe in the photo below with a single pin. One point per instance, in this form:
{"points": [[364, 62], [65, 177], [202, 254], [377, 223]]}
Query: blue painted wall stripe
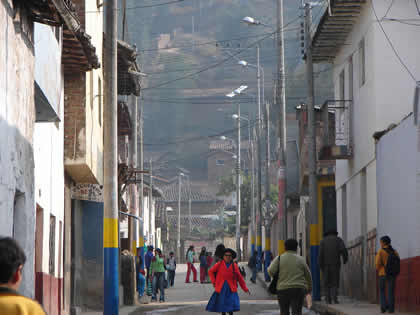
{"points": [[316, 281], [111, 300]]}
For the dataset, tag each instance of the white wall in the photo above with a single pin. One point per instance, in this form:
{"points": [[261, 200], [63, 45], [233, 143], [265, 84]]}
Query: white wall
{"points": [[384, 98], [399, 215]]}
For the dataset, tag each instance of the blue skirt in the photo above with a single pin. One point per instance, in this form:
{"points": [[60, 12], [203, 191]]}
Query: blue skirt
{"points": [[225, 301]]}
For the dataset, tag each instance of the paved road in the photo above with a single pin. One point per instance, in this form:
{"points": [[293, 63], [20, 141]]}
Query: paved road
{"points": [[191, 298]]}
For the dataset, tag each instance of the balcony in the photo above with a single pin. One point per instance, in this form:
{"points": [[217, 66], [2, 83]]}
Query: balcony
{"points": [[336, 141]]}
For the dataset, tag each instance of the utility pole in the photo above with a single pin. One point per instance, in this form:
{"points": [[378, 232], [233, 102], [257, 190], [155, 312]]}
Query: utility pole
{"points": [[281, 103], [111, 233], [141, 197], [179, 220], [313, 210], [134, 200], [150, 202], [189, 204], [238, 188], [267, 225], [251, 140], [259, 166]]}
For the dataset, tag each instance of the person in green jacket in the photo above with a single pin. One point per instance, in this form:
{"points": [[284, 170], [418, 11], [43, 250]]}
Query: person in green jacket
{"points": [[294, 279], [157, 270]]}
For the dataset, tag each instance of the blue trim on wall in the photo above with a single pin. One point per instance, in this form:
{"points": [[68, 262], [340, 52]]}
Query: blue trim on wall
{"points": [[316, 281], [111, 290], [259, 260], [267, 262], [252, 249], [142, 257]]}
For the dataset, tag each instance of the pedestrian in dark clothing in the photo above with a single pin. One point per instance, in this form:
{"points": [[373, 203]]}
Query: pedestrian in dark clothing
{"points": [[171, 269], [203, 265], [209, 264], [218, 254], [252, 264], [387, 276], [331, 250], [157, 270], [294, 279]]}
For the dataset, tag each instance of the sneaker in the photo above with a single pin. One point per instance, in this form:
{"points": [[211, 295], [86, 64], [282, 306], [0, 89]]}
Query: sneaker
{"points": [[162, 301], [153, 300], [195, 280]]}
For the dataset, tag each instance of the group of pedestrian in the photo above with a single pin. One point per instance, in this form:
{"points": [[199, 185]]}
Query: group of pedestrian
{"points": [[160, 274]]}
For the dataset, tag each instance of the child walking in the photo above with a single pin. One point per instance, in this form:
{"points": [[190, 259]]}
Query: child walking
{"points": [[225, 276]]}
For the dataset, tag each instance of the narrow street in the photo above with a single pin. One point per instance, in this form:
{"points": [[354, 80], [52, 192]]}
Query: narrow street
{"points": [[188, 299]]}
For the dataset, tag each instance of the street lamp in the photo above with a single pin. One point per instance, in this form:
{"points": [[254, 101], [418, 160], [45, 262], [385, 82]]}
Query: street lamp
{"points": [[246, 64], [179, 214], [250, 21], [251, 149], [238, 91]]}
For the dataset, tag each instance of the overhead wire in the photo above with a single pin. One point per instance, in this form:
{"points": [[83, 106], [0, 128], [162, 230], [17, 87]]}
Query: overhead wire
{"points": [[214, 65], [392, 45]]}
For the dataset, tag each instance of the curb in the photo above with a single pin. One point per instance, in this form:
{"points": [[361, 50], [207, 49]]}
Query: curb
{"points": [[325, 309]]}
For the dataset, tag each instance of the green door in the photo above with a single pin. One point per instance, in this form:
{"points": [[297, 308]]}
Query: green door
{"points": [[329, 209]]}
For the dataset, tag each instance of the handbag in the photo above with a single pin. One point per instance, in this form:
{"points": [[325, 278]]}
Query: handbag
{"points": [[272, 288]]}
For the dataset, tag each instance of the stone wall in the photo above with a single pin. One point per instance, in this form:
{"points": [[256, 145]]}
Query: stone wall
{"points": [[17, 119]]}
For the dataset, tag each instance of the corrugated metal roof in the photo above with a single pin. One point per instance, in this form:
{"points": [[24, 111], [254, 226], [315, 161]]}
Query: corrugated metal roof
{"points": [[219, 144]]}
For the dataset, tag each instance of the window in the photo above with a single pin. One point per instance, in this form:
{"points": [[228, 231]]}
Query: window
{"points": [[52, 245], [351, 77], [362, 63], [342, 91], [220, 162]]}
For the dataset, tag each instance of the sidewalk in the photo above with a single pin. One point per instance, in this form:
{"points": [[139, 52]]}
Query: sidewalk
{"points": [[347, 306]]}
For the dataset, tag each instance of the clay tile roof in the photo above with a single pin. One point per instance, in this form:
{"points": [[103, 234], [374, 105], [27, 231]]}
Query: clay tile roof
{"points": [[79, 54], [170, 194], [220, 144]]}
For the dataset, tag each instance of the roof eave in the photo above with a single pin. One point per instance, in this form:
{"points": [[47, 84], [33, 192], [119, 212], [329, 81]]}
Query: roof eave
{"points": [[333, 30]]}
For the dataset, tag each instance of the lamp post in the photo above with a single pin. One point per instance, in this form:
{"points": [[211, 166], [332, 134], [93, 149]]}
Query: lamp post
{"points": [[179, 217], [238, 173]]}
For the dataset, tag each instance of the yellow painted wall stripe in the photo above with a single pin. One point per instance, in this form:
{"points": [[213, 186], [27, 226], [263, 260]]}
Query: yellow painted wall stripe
{"points": [[110, 233], [267, 243], [141, 241], [259, 243], [280, 247], [252, 239], [134, 246], [314, 235]]}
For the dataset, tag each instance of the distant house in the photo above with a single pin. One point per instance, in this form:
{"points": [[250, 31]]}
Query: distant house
{"points": [[199, 211], [220, 162]]}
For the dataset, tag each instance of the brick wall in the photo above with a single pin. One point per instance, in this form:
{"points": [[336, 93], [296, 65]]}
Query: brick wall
{"points": [[74, 116]]}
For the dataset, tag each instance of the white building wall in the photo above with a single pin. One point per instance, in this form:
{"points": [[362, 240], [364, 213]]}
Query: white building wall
{"points": [[49, 151], [384, 98]]}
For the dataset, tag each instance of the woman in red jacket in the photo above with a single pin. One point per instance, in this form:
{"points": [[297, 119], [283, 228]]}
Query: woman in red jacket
{"points": [[225, 276]]}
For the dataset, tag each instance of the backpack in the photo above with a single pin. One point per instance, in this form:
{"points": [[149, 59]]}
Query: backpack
{"points": [[392, 267], [242, 271]]}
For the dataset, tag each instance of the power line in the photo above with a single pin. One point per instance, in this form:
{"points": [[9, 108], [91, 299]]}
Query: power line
{"points": [[392, 45], [215, 65], [142, 6]]}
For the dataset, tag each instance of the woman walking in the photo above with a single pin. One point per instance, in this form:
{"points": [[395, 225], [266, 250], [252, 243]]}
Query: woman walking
{"points": [[157, 269], [203, 264], [225, 276], [190, 264]]}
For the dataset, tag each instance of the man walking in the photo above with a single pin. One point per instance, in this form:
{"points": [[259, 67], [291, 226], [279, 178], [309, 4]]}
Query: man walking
{"points": [[294, 279], [252, 264], [190, 264], [12, 259], [331, 250], [171, 268], [388, 267]]}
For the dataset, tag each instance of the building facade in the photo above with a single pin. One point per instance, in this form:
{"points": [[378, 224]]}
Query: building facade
{"points": [[373, 90]]}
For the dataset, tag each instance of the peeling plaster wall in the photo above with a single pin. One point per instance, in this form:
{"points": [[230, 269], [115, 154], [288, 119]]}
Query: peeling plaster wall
{"points": [[17, 118]]}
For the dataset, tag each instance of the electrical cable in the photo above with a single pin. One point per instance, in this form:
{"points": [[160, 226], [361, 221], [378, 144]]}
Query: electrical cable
{"points": [[392, 45], [142, 6], [215, 65]]}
